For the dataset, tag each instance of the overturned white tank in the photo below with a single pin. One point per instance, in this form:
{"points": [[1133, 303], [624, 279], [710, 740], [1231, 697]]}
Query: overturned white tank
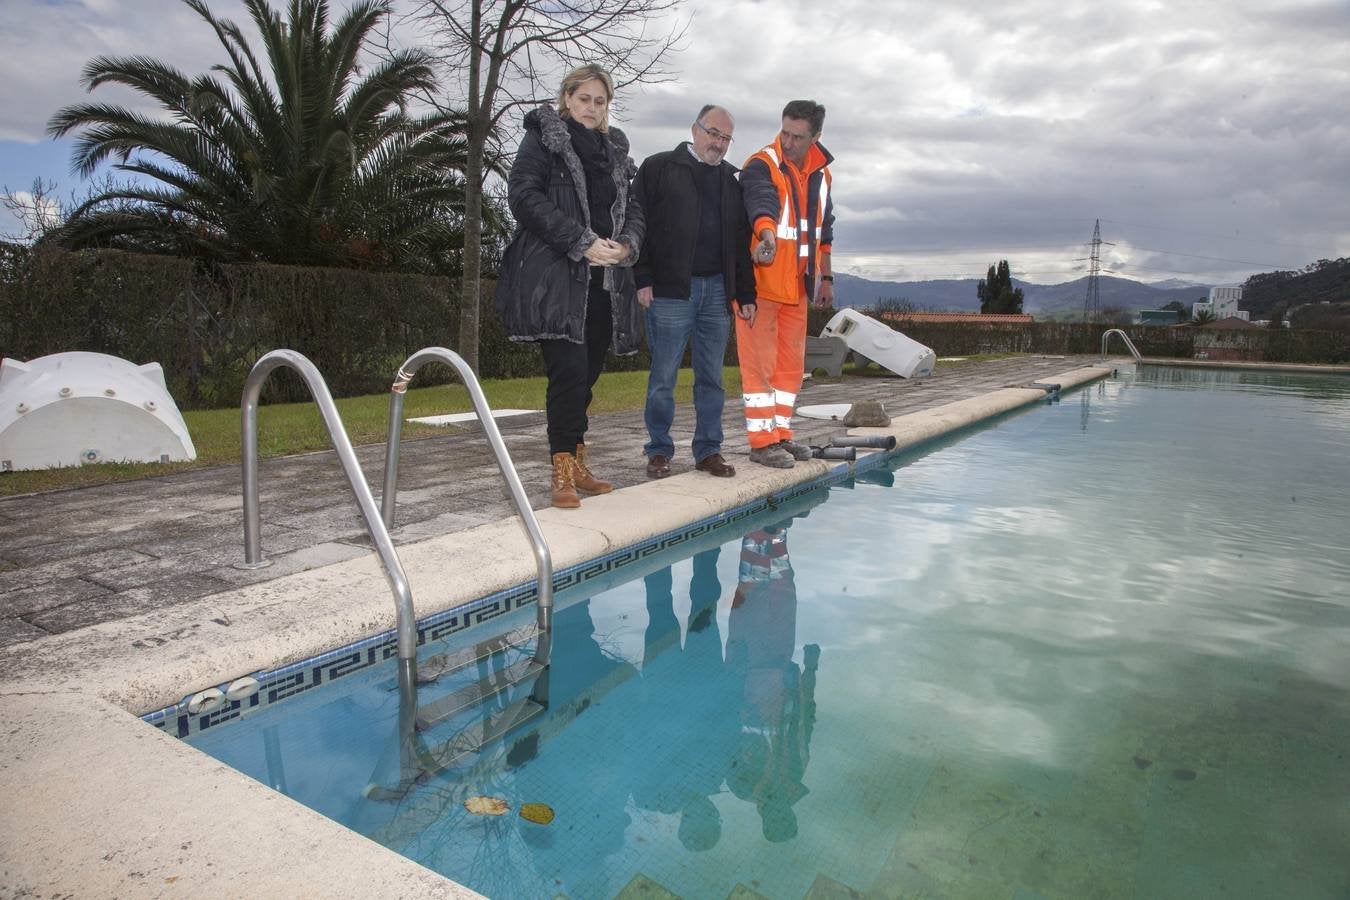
{"points": [[880, 343], [73, 409]]}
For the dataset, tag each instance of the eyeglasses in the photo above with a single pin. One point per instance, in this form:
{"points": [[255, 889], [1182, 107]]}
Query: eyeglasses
{"points": [[714, 133]]}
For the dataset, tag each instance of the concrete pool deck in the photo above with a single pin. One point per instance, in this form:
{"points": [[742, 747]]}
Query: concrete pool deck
{"points": [[120, 600]]}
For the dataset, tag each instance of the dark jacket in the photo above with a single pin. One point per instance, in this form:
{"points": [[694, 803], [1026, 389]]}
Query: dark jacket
{"points": [[544, 280], [669, 195]]}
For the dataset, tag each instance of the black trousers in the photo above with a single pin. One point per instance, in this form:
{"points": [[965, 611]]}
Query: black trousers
{"points": [[573, 370]]}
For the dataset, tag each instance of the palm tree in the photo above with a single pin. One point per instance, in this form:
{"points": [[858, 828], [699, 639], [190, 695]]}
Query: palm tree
{"points": [[309, 161]]}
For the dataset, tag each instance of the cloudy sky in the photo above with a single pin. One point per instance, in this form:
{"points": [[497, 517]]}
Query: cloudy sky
{"points": [[1209, 137]]}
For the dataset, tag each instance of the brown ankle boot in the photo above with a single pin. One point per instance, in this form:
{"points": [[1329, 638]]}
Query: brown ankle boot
{"points": [[564, 487], [585, 481]]}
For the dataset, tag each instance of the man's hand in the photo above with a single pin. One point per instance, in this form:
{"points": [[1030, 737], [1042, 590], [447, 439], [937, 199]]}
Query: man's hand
{"points": [[767, 247], [747, 313], [824, 296], [644, 297]]}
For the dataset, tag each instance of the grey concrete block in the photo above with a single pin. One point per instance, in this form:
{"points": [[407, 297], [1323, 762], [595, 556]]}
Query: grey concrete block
{"points": [[67, 567], [17, 631], [113, 606], [48, 595]]}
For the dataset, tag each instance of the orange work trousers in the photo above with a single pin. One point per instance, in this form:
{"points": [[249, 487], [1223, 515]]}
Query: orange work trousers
{"points": [[772, 354]]}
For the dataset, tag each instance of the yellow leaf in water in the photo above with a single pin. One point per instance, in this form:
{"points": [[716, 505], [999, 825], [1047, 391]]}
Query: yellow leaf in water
{"points": [[486, 806], [538, 813]]}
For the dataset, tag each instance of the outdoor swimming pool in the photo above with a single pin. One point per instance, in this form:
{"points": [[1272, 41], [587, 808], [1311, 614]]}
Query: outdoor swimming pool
{"points": [[1096, 649]]}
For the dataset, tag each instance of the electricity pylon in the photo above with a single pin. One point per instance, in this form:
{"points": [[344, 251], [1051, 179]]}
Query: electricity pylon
{"points": [[1093, 299]]}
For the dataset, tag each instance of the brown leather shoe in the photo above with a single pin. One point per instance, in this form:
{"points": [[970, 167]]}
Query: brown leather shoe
{"points": [[714, 464], [658, 466], [564, 488], [582, 477]]}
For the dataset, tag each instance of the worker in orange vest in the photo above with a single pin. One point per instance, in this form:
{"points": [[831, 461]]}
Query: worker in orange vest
{"points": [[786, 187]]}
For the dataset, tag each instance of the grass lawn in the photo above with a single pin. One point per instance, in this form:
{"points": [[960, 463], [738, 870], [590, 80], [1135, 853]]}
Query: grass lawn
{"points": [[288, 428]]}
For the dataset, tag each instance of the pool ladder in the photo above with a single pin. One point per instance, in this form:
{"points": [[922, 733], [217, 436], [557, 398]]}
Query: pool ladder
{"points": [[1106, 336], [417, 758]]}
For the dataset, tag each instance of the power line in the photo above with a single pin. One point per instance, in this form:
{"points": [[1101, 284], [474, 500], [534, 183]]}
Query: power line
{"points": [[1244, 262], [1220, 237]]}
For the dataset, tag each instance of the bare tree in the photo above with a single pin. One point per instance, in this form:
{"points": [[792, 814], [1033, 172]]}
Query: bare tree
{"points": [[36, 212], [509, 54]]}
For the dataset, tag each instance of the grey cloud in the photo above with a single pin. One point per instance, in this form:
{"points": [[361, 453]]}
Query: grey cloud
{"points": [[1216, 127]]}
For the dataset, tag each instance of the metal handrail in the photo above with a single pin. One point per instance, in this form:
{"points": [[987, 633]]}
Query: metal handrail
{"points": [[543, 560], [1124, 337], [379, 534]]}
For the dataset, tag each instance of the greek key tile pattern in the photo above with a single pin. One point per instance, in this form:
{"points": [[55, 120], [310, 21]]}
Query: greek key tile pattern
{"points": [[296, 679]]}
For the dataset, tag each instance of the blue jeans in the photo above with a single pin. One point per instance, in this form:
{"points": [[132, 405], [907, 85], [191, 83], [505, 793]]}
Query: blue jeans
{"points": [[671, 325]]}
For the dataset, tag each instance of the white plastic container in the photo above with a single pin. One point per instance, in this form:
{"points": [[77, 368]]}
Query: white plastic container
{"points": [[72, 409], [879, 342]]}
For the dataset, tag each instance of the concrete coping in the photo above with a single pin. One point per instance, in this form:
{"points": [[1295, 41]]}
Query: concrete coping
{"points": [[123, 807]]}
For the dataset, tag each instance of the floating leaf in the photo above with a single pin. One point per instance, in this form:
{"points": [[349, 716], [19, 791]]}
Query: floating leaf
{"points": [[538, 813], [486, 806]]}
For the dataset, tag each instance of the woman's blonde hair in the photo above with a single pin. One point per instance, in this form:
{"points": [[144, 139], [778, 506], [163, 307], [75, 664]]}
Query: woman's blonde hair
{"points": [[579, 76]]}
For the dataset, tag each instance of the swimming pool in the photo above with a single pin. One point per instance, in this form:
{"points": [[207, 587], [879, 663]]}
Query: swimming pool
{"points": [[1094, 649]]}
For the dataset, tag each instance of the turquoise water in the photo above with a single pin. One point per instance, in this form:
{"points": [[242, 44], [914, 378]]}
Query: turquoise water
{"points": [[1098, 649]]}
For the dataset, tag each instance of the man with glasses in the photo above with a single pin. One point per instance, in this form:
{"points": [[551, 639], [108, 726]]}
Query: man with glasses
{"points": [[694, 265], [786, 186]]}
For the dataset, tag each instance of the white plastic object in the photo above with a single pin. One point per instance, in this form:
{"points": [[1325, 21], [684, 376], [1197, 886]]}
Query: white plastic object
{"points": [[241, 688], [71, 409], [207, 701], [881, 343]]}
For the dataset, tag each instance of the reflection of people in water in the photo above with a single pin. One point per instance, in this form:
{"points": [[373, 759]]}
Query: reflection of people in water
{"points": [[777, 698], [578, 664], [684, 704]]}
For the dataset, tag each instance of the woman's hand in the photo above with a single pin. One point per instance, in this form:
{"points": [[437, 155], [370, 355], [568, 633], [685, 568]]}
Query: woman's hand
{"points": [[604, 252]]}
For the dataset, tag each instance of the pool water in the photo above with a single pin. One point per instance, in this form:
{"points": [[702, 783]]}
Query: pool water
{"points": [[1100, 648]]}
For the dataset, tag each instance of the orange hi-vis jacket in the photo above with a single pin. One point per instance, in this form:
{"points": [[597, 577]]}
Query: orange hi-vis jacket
{"points": [[796, 204]]}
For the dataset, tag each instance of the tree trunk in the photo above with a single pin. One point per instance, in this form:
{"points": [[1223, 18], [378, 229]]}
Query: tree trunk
{"points": [[473, 248]]}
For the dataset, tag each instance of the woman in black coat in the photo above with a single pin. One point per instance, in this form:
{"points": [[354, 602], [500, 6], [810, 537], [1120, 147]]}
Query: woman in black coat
{"points": [[567, 278]]}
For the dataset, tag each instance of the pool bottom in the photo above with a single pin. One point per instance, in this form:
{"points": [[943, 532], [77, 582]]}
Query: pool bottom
{"points": [[1120, 725]]}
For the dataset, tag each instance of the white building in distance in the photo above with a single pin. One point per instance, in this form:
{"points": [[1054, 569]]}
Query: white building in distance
{"points": [[1223, 303]]}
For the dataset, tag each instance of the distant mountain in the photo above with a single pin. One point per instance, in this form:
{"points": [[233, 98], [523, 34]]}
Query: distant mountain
{"points": [[1174, 284], [1046, 300]]}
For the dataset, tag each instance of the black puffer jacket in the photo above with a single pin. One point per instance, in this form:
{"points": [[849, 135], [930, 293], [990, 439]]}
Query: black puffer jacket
{"points": [[670, 199], [543, 286]]}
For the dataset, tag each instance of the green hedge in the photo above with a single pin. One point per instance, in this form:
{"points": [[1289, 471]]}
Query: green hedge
{"points": [[1269, 344], [207, 325]]}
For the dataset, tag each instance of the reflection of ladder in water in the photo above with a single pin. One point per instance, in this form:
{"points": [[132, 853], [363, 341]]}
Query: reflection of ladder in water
{"points": [[484, 707], [418, 760]]}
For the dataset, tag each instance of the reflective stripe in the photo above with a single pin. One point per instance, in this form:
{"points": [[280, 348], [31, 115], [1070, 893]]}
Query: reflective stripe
{"points": [[782, 421], [758, 400], [824, 194], [759, 424], [801, 250], [785, 229], [783, 398], [770, 152]]}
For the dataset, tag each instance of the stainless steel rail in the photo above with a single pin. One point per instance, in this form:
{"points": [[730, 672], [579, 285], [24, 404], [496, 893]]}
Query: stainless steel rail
{"points": [[375, 526], [1124, 337], [543, 560]]}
